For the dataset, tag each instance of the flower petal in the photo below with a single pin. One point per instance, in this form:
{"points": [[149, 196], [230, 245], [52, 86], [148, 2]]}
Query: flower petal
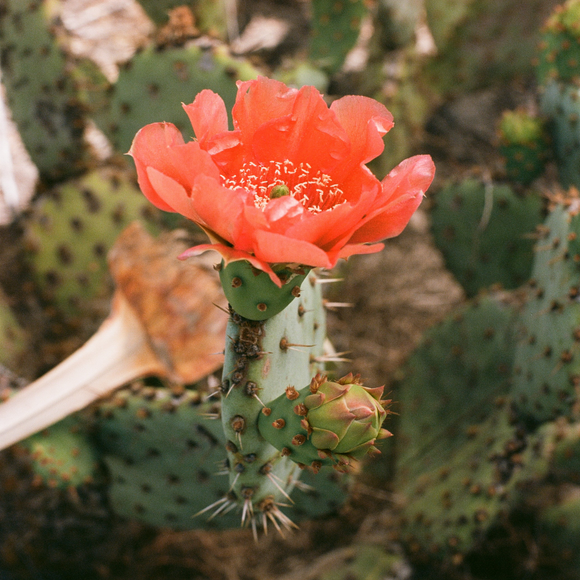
{"points": [[161, 146], [277, 248], [172, 193], [310, 134], [218, 207], [403, 191], [208, 116], [365, 122]]}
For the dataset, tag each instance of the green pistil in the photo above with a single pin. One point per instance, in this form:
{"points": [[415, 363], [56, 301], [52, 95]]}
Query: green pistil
{"points": [[279, 191]]}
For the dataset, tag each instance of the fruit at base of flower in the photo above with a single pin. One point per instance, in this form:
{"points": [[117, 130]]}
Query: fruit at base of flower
{"points": [[326, 423], [253, 295]]}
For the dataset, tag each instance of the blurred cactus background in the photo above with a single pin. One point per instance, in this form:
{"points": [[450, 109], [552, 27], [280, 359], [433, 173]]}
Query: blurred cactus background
{"points": [[470, 318]]}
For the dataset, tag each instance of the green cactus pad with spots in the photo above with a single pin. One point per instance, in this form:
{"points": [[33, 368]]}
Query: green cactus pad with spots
{"points": [[62, 454], [559, 49], [547, 365], [524, 144], [561, 103], [41, 94], [163, 454], [253, 295], [12, 337], [335, 29], [70, 231], [483, 233], [154, 84]]}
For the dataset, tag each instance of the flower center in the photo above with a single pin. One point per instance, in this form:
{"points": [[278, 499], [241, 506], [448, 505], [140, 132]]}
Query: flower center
{"points": [[313, 189]]}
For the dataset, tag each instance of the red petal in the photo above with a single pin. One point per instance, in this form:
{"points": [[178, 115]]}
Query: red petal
{"points": [[365, 122], [309, 134], [208, 116], [259, 101], [172, 193], [276, 248], [218, 207], [403, 191], [161, 146], [358, 249]]}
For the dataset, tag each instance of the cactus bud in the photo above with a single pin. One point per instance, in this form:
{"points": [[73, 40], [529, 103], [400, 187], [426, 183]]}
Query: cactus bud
{"points": [[339, 422]]}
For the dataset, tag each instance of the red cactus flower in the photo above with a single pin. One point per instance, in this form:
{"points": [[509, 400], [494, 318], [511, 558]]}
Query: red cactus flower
{"points": [[289, 184]]}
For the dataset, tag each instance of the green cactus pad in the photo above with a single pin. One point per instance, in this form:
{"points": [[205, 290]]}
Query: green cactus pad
{"points": [[335, 29], [559, 533], [12, 337], [62, 455], [547, 366], [41, 94], [561, 103], [481, 42], [451, 380], [559, 48], [253, 295], [464, 486], [70, 231], [524, 144], [154, 84], [483, 233]]}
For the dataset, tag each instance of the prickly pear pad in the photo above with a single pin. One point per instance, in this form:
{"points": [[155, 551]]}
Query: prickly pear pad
{"points": [[252, 293]]}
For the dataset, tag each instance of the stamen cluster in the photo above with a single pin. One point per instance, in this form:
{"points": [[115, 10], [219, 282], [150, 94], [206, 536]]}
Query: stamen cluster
{"points": [[313, 189]]}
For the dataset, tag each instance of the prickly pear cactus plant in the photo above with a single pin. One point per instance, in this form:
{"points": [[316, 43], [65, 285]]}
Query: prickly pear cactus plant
{"points": [[546, 360], [559, 101], [557, 73], [161, 450], [483, 232], [12, 336], [70, 231], [335, 29], [41, 94], [457, 466], [480, 41], [558, 51], [155, 82], [524, 145], [62, 456], [164, 454]]}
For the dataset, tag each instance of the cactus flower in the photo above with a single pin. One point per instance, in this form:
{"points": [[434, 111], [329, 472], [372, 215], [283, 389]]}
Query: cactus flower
{"points": [[327, 422], [289, 184]]}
